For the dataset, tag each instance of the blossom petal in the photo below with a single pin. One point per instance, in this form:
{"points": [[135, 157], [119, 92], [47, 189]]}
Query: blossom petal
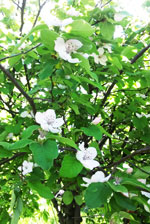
{"points": [[45, 126], [103, 60], [53, 129], [92, 151], [80, 155], [39, 117], [90, 164], [101, 51], [58, 122]]}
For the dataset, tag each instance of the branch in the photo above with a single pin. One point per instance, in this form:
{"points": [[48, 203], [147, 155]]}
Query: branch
{"points": [[39, 11], [3, 161], [16, 4], [106, 3], [25, 52], [22, 15], [13, 80], [137, 152], [108, 92], [140, 54]]}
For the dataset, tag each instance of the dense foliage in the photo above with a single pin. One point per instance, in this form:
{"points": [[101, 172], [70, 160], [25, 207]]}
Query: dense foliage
{"points": [[74, 112]]}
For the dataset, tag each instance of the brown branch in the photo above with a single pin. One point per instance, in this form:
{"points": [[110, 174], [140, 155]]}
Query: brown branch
{"points": [[108, 92], [39, 11], [16, 4], [22, 15], [140, 54], [125, 158], [14, 81], [25, 52], [3, 161]]}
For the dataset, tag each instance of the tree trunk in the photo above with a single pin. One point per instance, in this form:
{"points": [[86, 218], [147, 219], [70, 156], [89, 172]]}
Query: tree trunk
{"points": [[69, 214]]}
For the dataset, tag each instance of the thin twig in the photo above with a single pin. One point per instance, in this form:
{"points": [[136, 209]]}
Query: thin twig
{"points": [[14, 81], [16, 4], [22, 15], [138, 168], [139, 54], [38, 13], [3, 161], [126, 158], [25, 52], [106, 3]]}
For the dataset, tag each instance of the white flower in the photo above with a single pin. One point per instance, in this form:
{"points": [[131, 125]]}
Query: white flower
{"points": [[26, 168], [96, 120], [142, 115], [97, 177], [25, 114], [60, 86], [143, 181], [87, 156], [48, 121], [64, 49], [101, 58], [141, 95], [73, 12], [129, 170], [10, 135], [108, 47]]}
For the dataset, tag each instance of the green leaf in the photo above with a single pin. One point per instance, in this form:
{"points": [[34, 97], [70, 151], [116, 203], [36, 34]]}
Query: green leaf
{"points": [[140, 123], [46, 71], [65, 141], [115, 61], [134, 182], [97, 194], [129, 52], [41, 189], [48, 38], [29, 131], [78, 199], [141, 175], [80, 28], [71, 167], [4, 153], [96, 84], [124, 202], [45, 153], [107, 30], [93, 130], [17, 145], [75, 108], [67, 197], [17, 211], [117, 188]]}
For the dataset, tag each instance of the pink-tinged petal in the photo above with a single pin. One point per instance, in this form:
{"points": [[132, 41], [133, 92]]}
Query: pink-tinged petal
{"points": [[90, 164], [92, 152], [143, 181], [96, 120], [39, 117], [58, 122]]}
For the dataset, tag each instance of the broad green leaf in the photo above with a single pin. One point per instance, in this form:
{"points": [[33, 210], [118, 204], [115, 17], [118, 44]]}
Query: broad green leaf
{"points": [[29, 131], [96, 84], [70, 167], [17, 145], [134, 182], [67, 197], [4, 153], [140, 123], [17, 211], [48, 38], [94, 131], [45, 153], [115, 61], [75, 108], [78, 199], [117, 188], [65, 141], [46, 71], [41, 189], [80, 28], [97, 194], [107, 30], [129, 52], [124, 202], [141, 175], [126, 215]]}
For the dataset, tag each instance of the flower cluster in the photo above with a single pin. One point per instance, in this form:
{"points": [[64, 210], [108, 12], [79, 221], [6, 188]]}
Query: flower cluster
{"points": [[101, 58], [64, 49], [48, 121], [87, 156]]}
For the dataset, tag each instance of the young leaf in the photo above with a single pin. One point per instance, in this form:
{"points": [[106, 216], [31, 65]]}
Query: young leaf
{"points": [[67, 197]]}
